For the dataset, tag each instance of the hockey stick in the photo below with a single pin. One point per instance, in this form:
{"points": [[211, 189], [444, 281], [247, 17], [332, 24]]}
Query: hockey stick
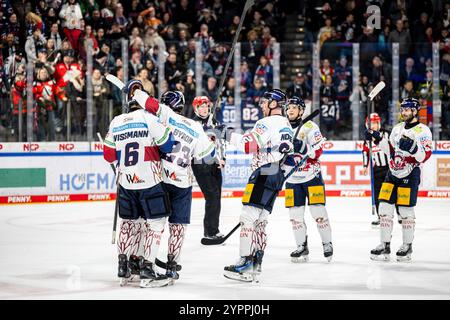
{"points": [[116, 208], [247, 6], [115, 81], [375, 91], [206, 241]]}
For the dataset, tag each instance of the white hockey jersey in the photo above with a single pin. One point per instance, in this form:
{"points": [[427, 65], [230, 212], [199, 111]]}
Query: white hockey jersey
{"points": [[311, 135], [191, 142], [133, 140], [268, 134], [401, 162]]}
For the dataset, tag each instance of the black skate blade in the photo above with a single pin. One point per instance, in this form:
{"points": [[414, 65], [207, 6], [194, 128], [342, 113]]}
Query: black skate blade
{"points": [[163, 265]]}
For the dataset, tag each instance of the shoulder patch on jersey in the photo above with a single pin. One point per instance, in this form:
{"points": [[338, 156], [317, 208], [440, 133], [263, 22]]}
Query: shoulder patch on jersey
{"points": [[417, 129], [317, 136], [309, 124], [260, 128]]}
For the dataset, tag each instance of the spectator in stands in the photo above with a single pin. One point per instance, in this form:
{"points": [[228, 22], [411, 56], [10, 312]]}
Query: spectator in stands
{"points": [[402, 37], [326, 69], [173, 71], [150, 18], [325, 32], [380, 71], [188, 88], [257, 23], [218, 59], [367, 47], [299, 87], [347, 29], [143, 76], [135, 42], [135, 64], [252, 50], [83, 42], [55, 35], [211, 89], [409, 72], [34, 43], [208, 18], [71, 16], [407, 91], [255, 92], [343, 71], [152, 71], [100, 89], [232, 28], [265, 71], [206, 41], [246, 75], [152, 39]]}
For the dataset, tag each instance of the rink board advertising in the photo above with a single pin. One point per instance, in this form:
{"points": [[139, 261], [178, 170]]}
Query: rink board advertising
{"points": [[76, 171]]}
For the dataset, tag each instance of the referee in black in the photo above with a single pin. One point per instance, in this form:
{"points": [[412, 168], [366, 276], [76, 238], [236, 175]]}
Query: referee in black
{"points": [[209, 175], [379, 158]]}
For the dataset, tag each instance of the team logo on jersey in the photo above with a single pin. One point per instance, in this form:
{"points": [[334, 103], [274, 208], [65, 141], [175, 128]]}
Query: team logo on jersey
{"points": [[317, 136], [171, 175], [260, 129], [127, 119], [398, 162], [134, 179]]}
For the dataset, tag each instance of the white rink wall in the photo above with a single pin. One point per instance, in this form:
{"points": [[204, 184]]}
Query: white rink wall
{"points": [[74, 171]]}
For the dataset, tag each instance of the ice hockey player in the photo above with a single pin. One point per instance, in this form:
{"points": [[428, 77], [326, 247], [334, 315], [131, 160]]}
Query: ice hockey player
{"points": [[379, 158], [269, 141], [133, 143], [209, 175], [409, 146], [306, 182], [190, 142]]}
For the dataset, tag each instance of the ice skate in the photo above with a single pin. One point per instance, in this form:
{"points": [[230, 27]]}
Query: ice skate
{"points": [[257, 265], [171, 271], [328, 251], [149, 277], [404, 252], [241, 271], [381, 252], [123, 270], [301, 253]]}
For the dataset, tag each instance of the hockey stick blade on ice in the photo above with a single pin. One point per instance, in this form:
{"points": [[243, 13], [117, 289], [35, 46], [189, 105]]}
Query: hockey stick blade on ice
{"points": [[209, 242], [163, 265]]}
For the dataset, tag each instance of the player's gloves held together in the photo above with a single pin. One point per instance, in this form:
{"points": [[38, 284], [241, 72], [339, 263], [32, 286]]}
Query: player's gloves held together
{"points": [[300, 146], [285, 147], [376, 135], [407, 144]]}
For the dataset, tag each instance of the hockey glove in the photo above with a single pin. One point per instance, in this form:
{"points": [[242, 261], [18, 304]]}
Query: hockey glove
{"points": [[300, 147], [407, 144], [285, 147], [376, 135]]}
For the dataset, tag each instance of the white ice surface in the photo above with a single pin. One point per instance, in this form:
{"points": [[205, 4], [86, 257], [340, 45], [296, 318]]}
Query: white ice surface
{"points": [[63, 251]]}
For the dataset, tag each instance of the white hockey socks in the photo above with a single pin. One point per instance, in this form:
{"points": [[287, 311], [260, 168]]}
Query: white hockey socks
{"points": [[154, 229], [247, 238], [129, 237], [297, 217], [408, 223], [386, 211], [319, 213], [176, 239], [260, 235]]}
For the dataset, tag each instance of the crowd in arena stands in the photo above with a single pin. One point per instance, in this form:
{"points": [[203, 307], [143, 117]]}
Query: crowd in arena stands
{"points": [[335, 25], [53, 36]]}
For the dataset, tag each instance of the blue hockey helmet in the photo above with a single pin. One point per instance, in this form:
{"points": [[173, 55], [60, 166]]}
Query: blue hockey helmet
{"points": [[274, 95], [131, 86], [173, 99], [410, 103], [296, 101]]}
